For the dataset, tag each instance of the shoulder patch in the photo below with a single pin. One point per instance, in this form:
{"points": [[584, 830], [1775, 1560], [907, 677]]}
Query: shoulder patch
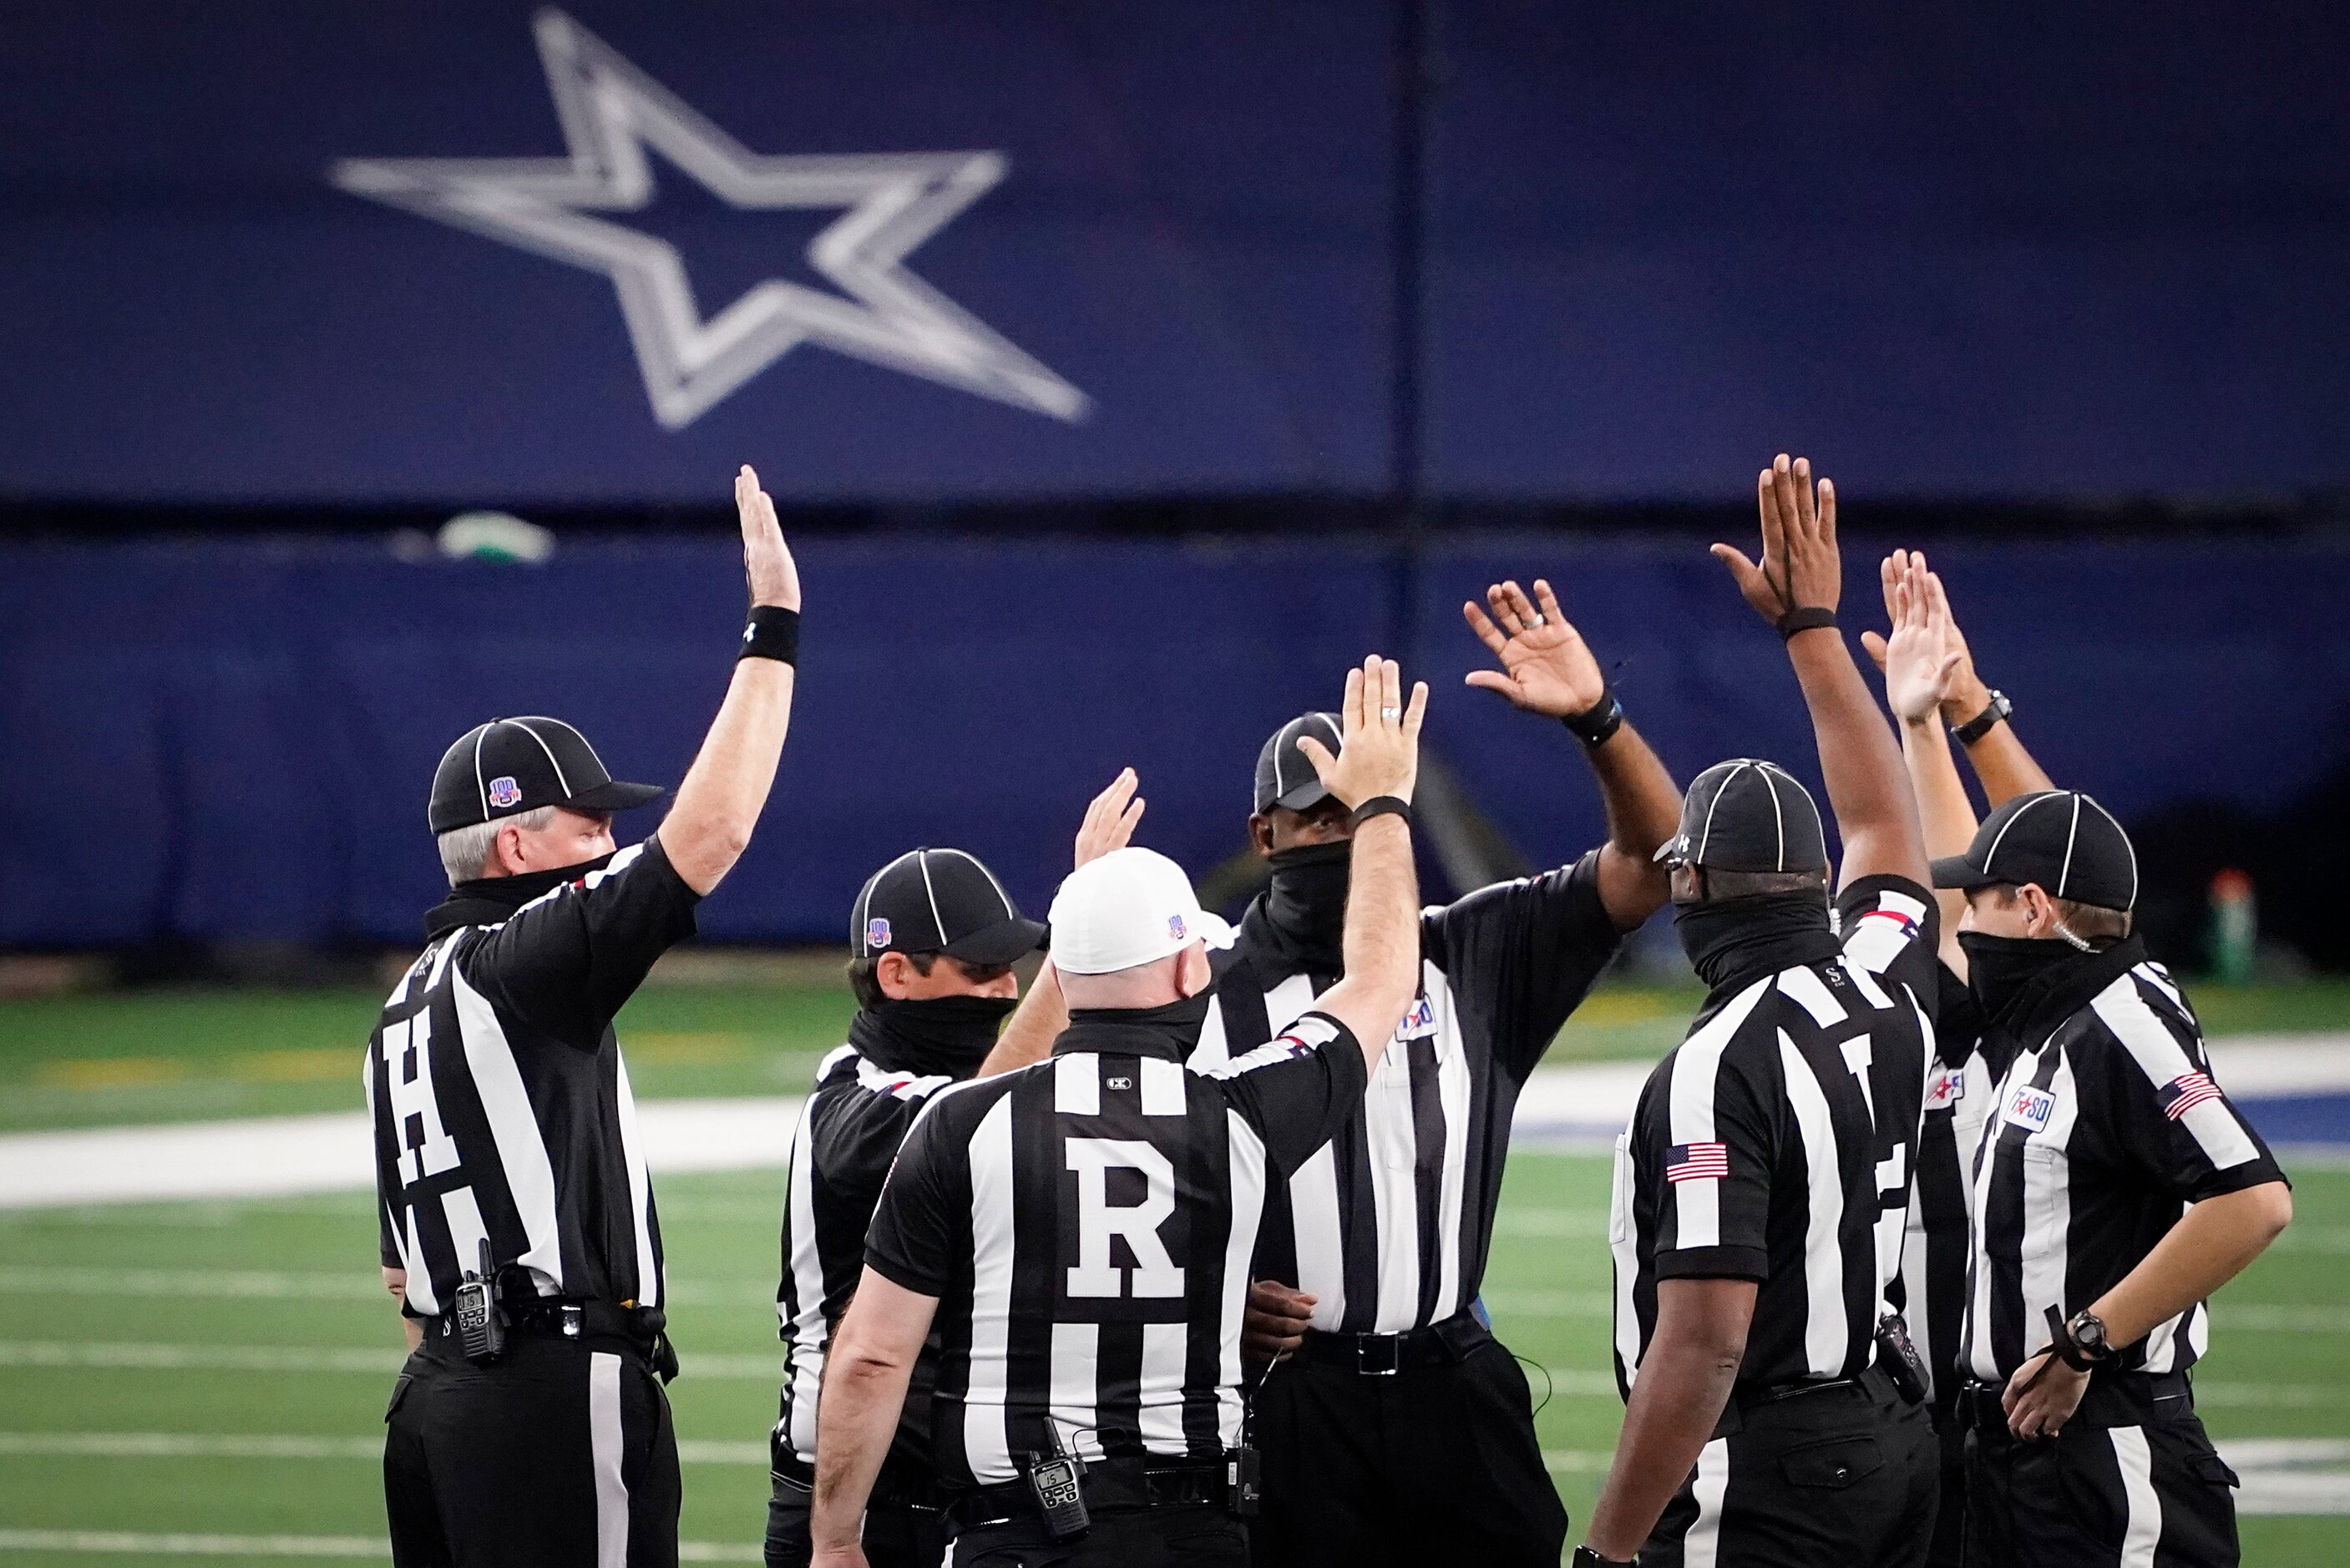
{"points": [[2029, 1109]]}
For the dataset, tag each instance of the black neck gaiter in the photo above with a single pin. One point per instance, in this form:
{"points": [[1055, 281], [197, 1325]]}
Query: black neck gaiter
{"points": [[1170, 1030], [1307, 901], [1728, 939], [485, 901], [944, 1034]]}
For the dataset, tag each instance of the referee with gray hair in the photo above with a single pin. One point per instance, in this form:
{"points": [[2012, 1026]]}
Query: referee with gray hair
{"points": [[519, 1233]]}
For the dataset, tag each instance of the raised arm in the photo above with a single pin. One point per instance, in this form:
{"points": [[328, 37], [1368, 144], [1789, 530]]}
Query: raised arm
{"points": [[710, 826], [1378, 755], [1919, 660], [1998, 757], [1868, 788], [1042, 1013], [1547, 669]]}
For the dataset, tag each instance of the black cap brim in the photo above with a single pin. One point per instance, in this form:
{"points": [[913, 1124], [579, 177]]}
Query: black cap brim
{"points": [[614, 795], [1309, 793], [1006, 941], [1959, 874]]}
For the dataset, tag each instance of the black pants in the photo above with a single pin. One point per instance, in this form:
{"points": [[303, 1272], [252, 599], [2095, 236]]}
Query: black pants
{"points": [[1845, 1477], [1951, 1517], [560, 1455], [903, 1526], [1183, 1535], [2131, 1479], [1434, 1464]]}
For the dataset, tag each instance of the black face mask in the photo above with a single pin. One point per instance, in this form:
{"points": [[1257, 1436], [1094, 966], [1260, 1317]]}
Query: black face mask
{"points": [[949, 1034], [1176, 1024], [1729, 937], [2006, 973], [1307, 903]]}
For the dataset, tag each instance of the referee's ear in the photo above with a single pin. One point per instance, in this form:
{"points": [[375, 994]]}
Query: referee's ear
{"points": [[1193, 972], [1260, 826]]}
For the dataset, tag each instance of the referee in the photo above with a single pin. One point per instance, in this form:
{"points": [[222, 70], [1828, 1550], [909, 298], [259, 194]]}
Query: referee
{"points": [[1400, 1429], [932, 938], [1773, 1409], [518, 1227], [2115, 1190], [1077, 1234]]}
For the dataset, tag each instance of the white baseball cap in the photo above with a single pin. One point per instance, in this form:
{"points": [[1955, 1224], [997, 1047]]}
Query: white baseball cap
{"points": [[1129, 907]]}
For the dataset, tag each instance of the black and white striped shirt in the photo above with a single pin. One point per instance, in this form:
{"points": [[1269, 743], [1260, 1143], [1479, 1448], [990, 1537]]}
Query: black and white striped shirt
{"points": [[501, 1106], [1086, 1223], [2108, 1122], [1961, 1085], [1776, 1142], [847, 1136], [1388, 1226]]}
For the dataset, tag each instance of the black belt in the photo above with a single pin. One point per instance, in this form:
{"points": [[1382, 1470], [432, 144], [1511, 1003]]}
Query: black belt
{"points": [[631, 1328], [2114, 1398], [1385, 1355], [1875, 1384], [1108, 1483]]}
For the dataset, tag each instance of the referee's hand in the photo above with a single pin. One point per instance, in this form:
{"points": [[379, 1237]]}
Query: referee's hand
{"points": [[1275, 1322], [768, 561], [1378, 736], [1800, 568]]}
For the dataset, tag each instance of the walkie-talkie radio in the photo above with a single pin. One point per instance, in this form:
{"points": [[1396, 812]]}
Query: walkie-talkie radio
{"points": [[1901, 1359], [480, 1326], [1057, 1480]]}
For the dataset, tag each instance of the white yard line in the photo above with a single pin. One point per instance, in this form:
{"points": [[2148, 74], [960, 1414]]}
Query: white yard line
{"points": [[36, 1279], [370, 1361], [284, 1446], [149, 1543]]}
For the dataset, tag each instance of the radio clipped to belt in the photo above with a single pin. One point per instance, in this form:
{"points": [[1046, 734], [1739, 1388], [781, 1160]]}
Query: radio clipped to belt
{"points": [[1056, 1482], [1899, 1357], [480, 1320]]}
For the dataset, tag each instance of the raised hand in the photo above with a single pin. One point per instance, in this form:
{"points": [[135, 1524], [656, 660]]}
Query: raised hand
{"points": [[768, 561], [1545, 666], [1110, 819], [1921, 656], [1800, 568], [1378, 736]]}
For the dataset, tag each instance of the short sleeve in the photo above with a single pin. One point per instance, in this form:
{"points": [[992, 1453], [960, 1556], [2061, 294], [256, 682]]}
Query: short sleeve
{"points": [[568, 963], [856, 1133], [1298, 1089], [1891, 929], [2171, 1119], [1710, 1142], [1521, 954], [912, 1241]]}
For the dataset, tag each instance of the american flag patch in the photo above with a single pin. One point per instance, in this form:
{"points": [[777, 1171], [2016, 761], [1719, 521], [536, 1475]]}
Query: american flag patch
{"points": [[2186, 1092], [1697, 1162]]}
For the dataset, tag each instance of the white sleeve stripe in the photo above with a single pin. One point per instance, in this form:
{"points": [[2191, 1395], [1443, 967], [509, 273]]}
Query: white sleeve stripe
{"points": [[2164, 1061]]}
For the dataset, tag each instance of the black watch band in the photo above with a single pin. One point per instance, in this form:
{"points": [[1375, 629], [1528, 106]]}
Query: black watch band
{"points": [[1380, 805], [1807, 620], [773, 632], [2079, 1342], [1587, 1558], [1976, 727], [1596, 723]]}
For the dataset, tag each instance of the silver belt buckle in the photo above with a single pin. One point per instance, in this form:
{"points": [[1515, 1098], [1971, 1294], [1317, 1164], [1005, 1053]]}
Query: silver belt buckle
{"points": [[571, 1316], [1364, 1359]]}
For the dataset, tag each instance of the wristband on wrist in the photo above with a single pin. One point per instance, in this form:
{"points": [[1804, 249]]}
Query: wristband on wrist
{"points": [[1976, 727], [1597, 722], [1380, 805], [773, 632], [1796, 620], [1587, 1558]]}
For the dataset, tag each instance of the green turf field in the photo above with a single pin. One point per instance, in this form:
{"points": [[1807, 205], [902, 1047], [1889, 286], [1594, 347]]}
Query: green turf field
{"points": [[178, 1055], [218, 1370]]}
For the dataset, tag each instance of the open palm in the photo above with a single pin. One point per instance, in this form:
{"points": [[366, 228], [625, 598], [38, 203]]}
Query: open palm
{"points": [[1545, 666]]}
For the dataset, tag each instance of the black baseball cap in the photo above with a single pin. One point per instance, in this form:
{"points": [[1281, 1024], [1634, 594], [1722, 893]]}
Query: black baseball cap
{"points": [[1283, 775], [939, 902], [2059, 839], [1747, 814], [512, 766]]}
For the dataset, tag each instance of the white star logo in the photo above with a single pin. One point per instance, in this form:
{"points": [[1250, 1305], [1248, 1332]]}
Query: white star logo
{"points": [[610, 112]]}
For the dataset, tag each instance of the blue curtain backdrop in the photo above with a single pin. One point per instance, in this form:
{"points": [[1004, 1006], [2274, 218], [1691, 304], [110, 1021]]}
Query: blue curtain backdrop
{"points": [[233, 741]]}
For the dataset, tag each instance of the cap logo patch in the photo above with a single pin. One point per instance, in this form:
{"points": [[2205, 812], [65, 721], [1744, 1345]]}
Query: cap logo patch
{"points": [[1177, 929], [504, 793], [877, 932]]}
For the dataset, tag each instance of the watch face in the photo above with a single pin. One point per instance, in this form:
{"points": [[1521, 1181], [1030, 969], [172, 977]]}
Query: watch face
{"points": [[2088, 1333]]}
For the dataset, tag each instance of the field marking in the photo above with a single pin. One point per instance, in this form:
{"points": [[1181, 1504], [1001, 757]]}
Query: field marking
{"points": [[145, 1544], [314, 1285], [1583, 1223], [1578, 1461], [379, 1361], [284, 1446]]}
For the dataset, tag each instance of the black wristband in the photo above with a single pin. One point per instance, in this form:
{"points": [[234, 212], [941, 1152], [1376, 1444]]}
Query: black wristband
{"points": [[1976, 727], [1379, 806], [773, 632], [1587, 1558], [1796, 620], [1598, 722]]}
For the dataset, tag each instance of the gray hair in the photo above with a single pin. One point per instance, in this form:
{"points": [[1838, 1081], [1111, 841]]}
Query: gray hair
{"points": [[466, 851]]}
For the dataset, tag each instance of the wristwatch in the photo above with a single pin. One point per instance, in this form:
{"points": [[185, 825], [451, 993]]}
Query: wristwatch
{"points": [[1976, 727], [1587, 1558], [2081, 1343]]}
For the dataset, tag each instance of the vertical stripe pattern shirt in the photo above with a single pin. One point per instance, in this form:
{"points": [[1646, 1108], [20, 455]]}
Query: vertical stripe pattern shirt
{"points": [[501, 1106], [2106, 1125], [1390, 1223], [1086, 1224], [1777, 1141]]}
